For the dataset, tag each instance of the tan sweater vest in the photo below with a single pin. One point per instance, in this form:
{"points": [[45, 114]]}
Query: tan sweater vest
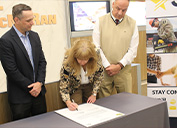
{"points": [[115, 39]]}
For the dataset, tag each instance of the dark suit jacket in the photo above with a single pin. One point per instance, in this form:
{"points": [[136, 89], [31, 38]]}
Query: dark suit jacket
{"points": [[18, 68]]}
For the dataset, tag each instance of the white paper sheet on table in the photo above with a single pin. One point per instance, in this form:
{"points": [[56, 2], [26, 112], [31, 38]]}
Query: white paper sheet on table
{"points": [[90, 114]]}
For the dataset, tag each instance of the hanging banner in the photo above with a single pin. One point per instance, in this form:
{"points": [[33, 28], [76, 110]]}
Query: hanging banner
{"points": [[49, 23], [161, 30]]}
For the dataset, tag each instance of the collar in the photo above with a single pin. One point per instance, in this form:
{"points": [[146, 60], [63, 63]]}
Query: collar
{"points": [[115, 18], [19, 33]]}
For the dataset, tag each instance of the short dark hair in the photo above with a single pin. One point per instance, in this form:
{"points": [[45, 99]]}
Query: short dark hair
{"points": [[17, 10]]}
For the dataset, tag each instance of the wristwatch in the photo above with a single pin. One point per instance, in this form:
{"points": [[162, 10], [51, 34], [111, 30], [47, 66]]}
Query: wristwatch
{"points": [[121, 65], [94, 94]]}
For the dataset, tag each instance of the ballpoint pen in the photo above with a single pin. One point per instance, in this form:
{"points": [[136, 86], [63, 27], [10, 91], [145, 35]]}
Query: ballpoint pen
{"points": [[74, 102]]}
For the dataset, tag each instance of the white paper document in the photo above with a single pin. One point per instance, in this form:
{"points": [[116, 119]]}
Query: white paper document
{"points": [[90, 114]]}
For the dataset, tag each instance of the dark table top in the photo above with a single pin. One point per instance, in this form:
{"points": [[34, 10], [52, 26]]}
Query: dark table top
{"points": [[126, 103]]}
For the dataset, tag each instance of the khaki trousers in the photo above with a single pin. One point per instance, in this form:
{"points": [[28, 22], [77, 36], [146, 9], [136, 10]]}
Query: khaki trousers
{"points": [[121, 82], [82, 94]]}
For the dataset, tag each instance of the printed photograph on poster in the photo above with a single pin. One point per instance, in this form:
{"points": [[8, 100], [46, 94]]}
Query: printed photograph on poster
{"points": [[161, 35], [162, 69]]}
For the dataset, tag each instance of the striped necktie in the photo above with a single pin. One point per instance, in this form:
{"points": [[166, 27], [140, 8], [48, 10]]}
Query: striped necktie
{"points": [[117, 21]]}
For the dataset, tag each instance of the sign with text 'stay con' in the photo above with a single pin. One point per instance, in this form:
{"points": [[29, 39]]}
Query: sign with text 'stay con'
{"points": [[167, 94]]}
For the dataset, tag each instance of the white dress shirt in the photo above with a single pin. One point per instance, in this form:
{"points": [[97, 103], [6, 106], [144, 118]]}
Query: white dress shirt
{"points": [[84, 78]]}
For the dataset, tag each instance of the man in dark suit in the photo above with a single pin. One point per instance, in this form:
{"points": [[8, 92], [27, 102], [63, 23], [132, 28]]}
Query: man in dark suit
{"points": [[24, 64]]}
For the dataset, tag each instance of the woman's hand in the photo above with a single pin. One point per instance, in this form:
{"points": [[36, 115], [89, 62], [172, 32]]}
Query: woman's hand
{"points": [[91, 99], [71, 106]]}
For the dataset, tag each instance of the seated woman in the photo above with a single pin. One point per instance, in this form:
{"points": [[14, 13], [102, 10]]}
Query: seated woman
{"points": [[81, 74]]}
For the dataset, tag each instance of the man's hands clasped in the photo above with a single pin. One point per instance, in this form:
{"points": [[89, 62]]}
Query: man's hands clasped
{"points": [[113, 69], [36, 89]]}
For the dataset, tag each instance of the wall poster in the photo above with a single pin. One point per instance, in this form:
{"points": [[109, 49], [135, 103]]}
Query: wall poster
{"points": [[161, 33]]}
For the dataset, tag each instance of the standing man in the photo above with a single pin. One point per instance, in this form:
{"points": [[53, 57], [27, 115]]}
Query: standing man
{"points": [[165, 32], [116, 34], [24, 63]]}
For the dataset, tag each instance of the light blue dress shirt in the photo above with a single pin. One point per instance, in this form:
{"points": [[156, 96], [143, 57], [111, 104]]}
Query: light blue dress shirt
{"points": [[26, 42]]}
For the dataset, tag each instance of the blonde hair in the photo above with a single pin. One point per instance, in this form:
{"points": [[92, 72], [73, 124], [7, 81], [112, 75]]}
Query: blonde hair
{"points": [[83, 50]]}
